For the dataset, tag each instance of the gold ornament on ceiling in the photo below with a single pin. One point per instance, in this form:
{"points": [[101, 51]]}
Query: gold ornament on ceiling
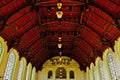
{"points": [[59, 13]]}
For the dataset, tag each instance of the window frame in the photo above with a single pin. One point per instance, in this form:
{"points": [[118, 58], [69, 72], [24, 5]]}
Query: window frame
{"points": [[71, 74], [50, 74], [112, 66], [59, 75], [23, 70], [3, 49], [15, 53], [28, 71]]}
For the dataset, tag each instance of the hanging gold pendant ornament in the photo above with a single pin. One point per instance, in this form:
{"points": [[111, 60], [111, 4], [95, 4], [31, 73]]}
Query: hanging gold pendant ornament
{"points": [[59, 5], [59, 45], [59, 13]]}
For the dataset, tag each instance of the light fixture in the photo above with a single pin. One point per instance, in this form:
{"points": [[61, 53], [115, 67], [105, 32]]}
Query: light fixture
{"points": [[60, 60], [59, 5], [59, 42], [87, 7], [59, 45], [59, 14], [59, 39]]}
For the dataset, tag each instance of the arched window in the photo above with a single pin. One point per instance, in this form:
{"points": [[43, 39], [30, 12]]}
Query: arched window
{"points": [[10, 66], [101, 70], [3, 48], [21, 69], [1, 51], [87, 74], [60, 73], [112, 66], [28, 71], [33, 73], [71, 75], [50, 75], [94, 73]]}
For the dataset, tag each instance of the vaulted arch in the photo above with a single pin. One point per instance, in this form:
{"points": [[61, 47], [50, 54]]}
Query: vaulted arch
{"points": [[87, 28]]}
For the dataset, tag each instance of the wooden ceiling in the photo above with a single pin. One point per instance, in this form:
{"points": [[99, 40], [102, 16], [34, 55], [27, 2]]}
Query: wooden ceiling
{"points": [[87, 28]]}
